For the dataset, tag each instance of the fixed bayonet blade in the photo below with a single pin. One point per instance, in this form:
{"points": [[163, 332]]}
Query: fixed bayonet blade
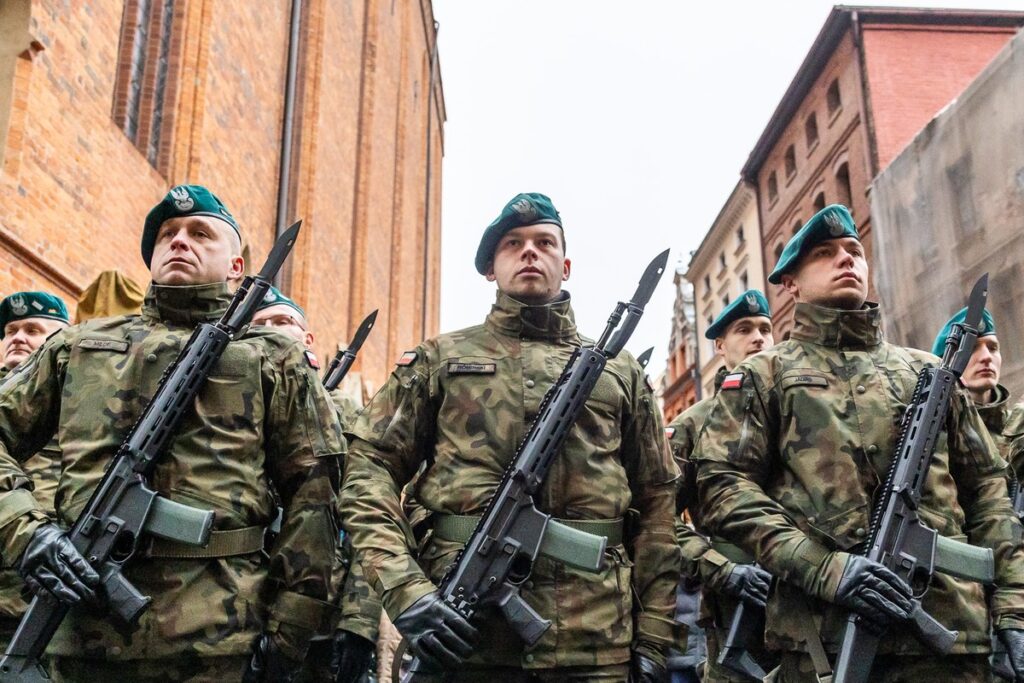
{"points": [[282, 247], [362, 332], [650, 280], [644, 358], [976, 303]]}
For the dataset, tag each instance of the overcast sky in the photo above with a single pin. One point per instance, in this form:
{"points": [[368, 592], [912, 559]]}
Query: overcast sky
{"points": [[634, 117]]}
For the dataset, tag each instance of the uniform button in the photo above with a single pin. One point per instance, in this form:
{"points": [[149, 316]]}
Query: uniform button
{"points": [[530, 384], [861, 389], [528, 658], [860, 532], [116, 650], [872, 449], [151, 358], [812, 520], [528, 585]]}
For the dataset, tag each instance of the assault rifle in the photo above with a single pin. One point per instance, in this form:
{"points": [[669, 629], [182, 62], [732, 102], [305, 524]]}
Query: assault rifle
{"points": [[500, 553], [898, 539], [1000, 659], [343, 360], [124, 508]]}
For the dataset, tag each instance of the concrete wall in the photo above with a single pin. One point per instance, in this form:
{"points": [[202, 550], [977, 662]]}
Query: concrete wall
{"points": [[951, 207]]}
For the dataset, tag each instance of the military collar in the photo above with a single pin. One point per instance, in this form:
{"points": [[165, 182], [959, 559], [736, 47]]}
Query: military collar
{"points": [[837, 328], [994, 414], [720, 374], [189, 305], [553, 321]]}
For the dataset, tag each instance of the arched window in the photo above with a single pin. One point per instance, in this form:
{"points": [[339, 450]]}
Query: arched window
{"points": [[833, 97], [843, 192], [811, 130], [790, 161], [819, 201], [773, 187]]}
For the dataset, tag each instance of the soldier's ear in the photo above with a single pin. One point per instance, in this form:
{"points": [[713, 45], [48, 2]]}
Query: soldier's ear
{"points": [[237, 269], [309, 340], [720, 346], [566, 269], [790, 285], [491, 277]]}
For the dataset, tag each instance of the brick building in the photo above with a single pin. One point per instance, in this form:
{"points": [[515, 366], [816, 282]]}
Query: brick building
{"points": [[727, 263], [104, 105], [872, 79], [950, 207], [678, 384]]}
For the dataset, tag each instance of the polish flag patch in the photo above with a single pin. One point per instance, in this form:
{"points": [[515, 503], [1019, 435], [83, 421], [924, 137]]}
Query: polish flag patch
{"points": [[670, 432], [312, 360], [408, 358], [733, 381]]}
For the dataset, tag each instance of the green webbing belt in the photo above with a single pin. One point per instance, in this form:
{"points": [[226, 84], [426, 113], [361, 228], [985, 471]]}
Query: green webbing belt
{"points": [[222, 544], [731, 551], [458, 528]]}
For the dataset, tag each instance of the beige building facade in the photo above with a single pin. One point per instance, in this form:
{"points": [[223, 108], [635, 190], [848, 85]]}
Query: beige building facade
{"points": [[727, 263]]}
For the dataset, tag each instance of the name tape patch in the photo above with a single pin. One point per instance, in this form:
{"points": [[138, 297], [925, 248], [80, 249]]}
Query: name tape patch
{"points": [[103, 345], [472, 368], [733, 381]]}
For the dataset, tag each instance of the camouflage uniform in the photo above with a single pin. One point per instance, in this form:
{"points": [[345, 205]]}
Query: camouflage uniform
{"points": [[262, 418], [701, 562], [464, 401], [791, 455], [997, 417], [1013, 431]]}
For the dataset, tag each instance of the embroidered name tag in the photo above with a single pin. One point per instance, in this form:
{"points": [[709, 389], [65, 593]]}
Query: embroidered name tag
{"points": [[806, 380], [472, 368], [103, 345]]}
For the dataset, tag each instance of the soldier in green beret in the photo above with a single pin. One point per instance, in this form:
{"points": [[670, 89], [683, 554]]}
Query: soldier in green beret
{"points": [[347, 655], [794, 451], [27, 319], [261, 425], [981, 379], [727, 576], [459, 404]]}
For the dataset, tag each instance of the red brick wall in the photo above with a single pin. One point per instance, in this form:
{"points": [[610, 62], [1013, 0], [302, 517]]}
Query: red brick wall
{"points": [[74, 190], [913, 72]]}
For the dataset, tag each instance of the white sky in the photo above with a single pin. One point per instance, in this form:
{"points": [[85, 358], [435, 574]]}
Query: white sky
{"points": [[634, 117]]}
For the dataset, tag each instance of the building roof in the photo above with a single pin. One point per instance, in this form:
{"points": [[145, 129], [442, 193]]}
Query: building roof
{"points": [[737, 201], [834, 28]]}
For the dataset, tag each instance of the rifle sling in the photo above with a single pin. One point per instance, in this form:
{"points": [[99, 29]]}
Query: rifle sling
{"points": [[227, 543]]}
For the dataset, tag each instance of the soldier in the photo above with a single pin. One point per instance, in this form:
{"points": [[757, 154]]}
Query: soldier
{"points": [[348, 655], [261, 420], [26, 320], [742, 329], [981, 379], [461, 402], [800, 438]]}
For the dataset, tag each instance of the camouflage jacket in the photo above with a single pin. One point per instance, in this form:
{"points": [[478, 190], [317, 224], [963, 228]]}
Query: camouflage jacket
{"points": [[261, 420], [1013, 430], [360, 604], [800, 438], [996, 416], [464, 401]]}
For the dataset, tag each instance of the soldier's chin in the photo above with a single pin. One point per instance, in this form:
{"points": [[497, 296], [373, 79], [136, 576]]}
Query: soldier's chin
{"points": [[13, 358]]}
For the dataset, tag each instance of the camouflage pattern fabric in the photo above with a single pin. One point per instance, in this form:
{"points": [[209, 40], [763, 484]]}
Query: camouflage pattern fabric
{"points": [[996, 416], [791, 455], [360, 605], [1013, 430], [798, 668], [613, 673], [262, 422], [186, 668], [464, 401]]}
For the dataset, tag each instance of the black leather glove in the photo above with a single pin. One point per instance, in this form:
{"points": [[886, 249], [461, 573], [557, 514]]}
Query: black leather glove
{"points": [[874, 592], [1013, 641], [749, 583], [351, 656], [644, 668], [51, 563], [437, 634], [268, 664]]}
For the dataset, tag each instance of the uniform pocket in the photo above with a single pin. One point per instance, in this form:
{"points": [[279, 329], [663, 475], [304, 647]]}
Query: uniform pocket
{"points": [[843, 529]]}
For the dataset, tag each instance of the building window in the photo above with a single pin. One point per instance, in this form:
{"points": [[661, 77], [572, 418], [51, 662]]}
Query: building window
{"points": [[819, 201], [778, 251], [725, 301], [797, 224], [773, 187], [721, 262], [744, 281], [844, 194], [790, 161], [147, 76], [833, 97], [811, 130], [740, 238], [707, 283]]}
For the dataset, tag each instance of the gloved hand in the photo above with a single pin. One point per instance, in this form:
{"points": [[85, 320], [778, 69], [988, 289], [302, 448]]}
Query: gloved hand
{"points": [[1013, 641], [749, 583], [874, 592], [268, 663], [437, 634], [351, 656], [644, 667], [52, 563]]}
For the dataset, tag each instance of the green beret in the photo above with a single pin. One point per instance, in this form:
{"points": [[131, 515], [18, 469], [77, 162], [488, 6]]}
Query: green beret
{"points": [[527, 208], [274, 297], [988, 328], [750, 304], [831, 223], [183, 200], [22, 305]]}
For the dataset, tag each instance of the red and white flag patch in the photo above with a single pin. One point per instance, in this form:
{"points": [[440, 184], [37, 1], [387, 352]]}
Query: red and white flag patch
{"points": [[670, 432], [312, 360], [733, 381], [408, 358]]}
